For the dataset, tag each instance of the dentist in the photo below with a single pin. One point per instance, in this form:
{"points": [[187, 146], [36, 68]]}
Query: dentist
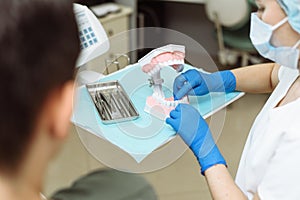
{"points": [[269, 166]]}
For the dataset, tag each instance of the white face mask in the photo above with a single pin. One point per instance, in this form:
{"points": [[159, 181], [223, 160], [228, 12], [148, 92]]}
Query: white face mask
{"points": [[261, 33]]}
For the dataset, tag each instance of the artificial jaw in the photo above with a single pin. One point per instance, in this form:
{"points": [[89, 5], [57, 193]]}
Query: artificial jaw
{"points": [[152, 63]]}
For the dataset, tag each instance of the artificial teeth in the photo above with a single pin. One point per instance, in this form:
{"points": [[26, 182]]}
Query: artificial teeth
{"points": [[176, 103], [170, 62], [168, 103]]}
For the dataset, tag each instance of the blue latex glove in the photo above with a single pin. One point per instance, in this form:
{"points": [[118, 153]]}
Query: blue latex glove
{"points": [[194, 82], [193, 129]]}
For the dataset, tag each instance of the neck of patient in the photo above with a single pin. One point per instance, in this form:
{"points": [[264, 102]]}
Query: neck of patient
{"points": [[24, 184], [27, 182]]}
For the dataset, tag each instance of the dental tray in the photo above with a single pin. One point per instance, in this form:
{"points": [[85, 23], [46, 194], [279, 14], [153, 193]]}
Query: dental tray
{"points": [[112, 102]]}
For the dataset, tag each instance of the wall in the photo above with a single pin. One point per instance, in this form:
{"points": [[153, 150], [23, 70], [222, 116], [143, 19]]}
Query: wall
{"points": [[186, 18]]}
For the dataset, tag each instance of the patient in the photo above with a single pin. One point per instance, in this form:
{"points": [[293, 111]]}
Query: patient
{"points": [[38, 50]]}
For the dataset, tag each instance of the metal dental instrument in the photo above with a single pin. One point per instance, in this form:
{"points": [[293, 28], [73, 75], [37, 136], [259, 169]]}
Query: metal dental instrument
{"points": [[122, 103], [126, 103], [111, 101], [115, 101], [106, 106], [116, 112], [100, 107]]}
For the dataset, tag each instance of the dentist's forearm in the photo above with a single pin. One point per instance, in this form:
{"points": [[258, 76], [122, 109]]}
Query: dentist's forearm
{"points": [[221, 184], [261, 78]]}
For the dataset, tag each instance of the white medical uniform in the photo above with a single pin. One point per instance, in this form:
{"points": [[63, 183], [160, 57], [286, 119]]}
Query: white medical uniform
{"points": [[270, 163]]}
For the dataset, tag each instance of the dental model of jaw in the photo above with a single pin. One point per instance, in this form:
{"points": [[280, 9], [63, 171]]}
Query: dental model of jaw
{"points": [[170, 55]]}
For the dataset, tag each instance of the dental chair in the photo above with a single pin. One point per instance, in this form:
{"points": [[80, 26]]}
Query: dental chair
{"points": [[232, 22]]}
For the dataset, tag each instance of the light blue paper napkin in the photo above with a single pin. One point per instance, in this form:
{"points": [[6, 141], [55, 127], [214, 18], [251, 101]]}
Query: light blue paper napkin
{"points": [[143, 135]]}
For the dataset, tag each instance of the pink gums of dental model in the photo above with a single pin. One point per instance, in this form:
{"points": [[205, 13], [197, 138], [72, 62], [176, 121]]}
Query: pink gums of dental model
{"points": [[164, 58], [157, 104], [174, 59]]}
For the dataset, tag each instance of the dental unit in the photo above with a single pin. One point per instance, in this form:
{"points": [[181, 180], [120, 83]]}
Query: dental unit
{"points": [[152, 63]]}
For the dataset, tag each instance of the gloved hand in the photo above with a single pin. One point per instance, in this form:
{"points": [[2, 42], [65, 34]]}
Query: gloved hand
{"points": [[194, 82], [193, 129]]}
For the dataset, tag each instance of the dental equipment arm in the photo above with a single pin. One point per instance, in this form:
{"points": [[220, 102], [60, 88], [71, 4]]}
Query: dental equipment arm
{"points": [[93, 41], [193, 129]]}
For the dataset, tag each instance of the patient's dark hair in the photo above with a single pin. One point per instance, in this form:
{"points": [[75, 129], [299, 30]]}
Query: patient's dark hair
{"points": [[39, 46]]}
